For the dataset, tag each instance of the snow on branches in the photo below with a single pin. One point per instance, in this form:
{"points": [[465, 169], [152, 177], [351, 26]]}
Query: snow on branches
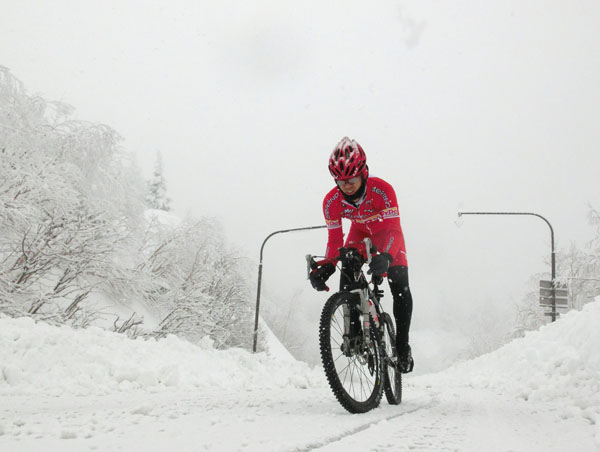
{"points": [[59, 230], [72, 224], [198, 287]]}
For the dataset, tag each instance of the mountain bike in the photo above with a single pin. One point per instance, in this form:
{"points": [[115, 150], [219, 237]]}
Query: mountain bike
{"points": [[357, 337]]}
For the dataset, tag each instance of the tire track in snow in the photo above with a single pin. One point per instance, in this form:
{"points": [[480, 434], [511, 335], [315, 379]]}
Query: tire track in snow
{"points": [[361, 428]]}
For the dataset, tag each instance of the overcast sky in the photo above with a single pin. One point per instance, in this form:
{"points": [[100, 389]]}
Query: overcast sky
{"points": [[459, 104]]}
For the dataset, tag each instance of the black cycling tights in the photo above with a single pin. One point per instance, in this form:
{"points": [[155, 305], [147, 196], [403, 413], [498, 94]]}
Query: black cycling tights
{"points": [[403, 303]]}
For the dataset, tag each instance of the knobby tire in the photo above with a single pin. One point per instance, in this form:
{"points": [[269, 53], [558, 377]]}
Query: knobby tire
{"points": [[341, 381], [392, 379]]}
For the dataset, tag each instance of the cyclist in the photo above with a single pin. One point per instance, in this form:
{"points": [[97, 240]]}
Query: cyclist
{"points": [[370, 204]]}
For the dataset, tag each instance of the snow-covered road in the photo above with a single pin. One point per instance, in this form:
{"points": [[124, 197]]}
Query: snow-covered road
{"points": [[66, 390], [430, 419]]}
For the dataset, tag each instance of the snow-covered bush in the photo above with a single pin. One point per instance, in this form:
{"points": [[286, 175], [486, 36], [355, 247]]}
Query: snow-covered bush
{"points": [[198, 287], [72, 223]]}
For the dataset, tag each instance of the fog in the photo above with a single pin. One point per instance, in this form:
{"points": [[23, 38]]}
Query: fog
{"points": [[459, 105]]}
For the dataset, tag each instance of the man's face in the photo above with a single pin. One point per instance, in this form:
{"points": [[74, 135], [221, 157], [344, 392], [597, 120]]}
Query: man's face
{"points": [[349, 186]]}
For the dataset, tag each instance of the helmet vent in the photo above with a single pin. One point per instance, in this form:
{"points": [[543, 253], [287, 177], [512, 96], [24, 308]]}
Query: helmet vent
{"points": [[347, 160]]}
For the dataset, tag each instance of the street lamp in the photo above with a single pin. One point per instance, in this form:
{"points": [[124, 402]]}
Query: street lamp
{"points": [[553, 256], [260, 268]]}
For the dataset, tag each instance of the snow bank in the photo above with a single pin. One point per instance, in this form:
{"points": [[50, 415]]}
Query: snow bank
{"points": [[273, 345], [40, 358], [559, 364]]}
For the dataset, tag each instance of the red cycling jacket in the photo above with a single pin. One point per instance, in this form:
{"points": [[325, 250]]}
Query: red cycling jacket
{"points": [[376, 216]]}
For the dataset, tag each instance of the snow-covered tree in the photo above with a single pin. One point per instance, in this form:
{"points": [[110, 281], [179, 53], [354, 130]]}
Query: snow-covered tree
{"points": [[198, 286], [156, 196], [577, 268], [60, 225], [73, 223], [580, 268]]}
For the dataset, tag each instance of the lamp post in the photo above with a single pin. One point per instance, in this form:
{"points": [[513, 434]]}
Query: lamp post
{"points": [[260, 267], [553, 255]]}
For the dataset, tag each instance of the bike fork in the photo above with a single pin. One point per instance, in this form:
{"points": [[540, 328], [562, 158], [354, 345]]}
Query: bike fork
{"points": [[367, 310], [346, 345]]}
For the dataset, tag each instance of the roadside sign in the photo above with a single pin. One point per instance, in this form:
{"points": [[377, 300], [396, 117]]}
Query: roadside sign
{"points": [[561, 293]]}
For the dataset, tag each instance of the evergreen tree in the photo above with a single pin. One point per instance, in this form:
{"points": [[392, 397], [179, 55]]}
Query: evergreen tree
{"points": [[156, 197]]}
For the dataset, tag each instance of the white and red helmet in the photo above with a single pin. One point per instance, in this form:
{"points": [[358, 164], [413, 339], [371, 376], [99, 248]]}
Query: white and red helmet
{"points": [[348, 160]]}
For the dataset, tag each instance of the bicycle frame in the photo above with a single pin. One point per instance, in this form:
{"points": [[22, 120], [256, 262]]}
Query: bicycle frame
{"points": [[353, 280]]}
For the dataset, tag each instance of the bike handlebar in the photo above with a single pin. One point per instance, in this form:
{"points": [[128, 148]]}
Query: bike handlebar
{"points": [[350, 255]]}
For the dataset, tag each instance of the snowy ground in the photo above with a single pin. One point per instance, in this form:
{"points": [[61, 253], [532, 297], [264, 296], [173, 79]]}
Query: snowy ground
{"points": [[66, 390]]}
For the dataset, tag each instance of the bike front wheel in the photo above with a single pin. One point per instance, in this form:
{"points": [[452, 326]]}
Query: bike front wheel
{"points": [[353, 364]]}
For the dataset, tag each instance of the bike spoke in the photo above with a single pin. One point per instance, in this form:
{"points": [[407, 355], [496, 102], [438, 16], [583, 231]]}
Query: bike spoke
{"points": [[339, 355], [336, 343], [356, 379], [335, 323], [354, 370], [367, 377], [346, 367], [352, 382], [361, 383]]}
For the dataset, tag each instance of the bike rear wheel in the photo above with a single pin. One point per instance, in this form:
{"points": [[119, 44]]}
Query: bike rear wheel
{"points": [[353, 368], [392, 379]]}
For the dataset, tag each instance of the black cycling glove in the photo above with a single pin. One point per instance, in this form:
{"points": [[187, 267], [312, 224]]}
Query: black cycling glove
{"points": [[320, 275], [379, 265]]}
